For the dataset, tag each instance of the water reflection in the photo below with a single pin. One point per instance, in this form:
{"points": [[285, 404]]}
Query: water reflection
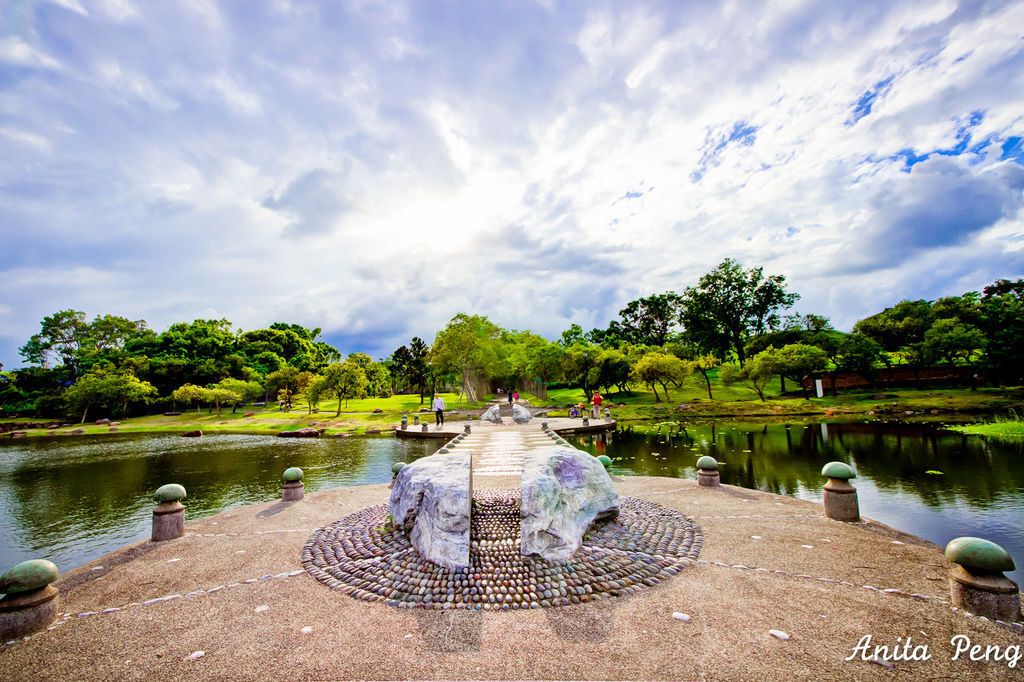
{"points": [[976, 488], [73, 499]]}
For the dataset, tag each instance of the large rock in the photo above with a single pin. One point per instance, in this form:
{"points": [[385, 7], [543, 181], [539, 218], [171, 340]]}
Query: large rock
{"points": [[564, 491], [432, 498], [306, 432], [492, 415], [521, 415]]}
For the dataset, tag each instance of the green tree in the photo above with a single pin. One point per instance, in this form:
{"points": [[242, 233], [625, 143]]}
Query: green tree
{"points": [[797, 360], [858, 353], [124, 387], [245, 390], [954, 341], [578, 361], [188, 393], [345, 380], [729, 305], [612, 368], [284, 379], [468, 347], [651, 320], [704, 364], [661, 368], [90, 389], [1001, 319], [217, 395], [755, 375]]}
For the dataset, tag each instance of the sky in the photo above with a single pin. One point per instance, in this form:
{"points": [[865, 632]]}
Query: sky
{"points": [[374, 168]]}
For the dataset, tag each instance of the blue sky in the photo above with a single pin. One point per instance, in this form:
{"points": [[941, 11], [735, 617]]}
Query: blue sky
{"points": [[373, 168]]}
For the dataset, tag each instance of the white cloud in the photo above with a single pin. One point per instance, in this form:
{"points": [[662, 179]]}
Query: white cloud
{"points": [[14, 50], [542, 165]]}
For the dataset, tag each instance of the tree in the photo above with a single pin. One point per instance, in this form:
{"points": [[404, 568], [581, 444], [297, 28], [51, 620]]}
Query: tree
{"points": [[1001, 319], [188, 393], [572, 336], [316, 389], [704, 364], [217, 395], [344, 380], [858, 353], [953, 340], [419, 365], [88, 390], [468, 347], [651, 320], [79, 344], [612, 368], [900, 331], [124, 387], [755, 375], [661, 368], [577, 363], [730, 304], [245, 390], [796, 360], [284, 379]]}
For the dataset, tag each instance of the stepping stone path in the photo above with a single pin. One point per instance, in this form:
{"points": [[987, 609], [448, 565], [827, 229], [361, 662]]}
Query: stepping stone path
{"points": [[498, 451]]}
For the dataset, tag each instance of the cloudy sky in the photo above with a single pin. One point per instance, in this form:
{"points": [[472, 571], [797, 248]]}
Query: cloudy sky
{"points": [[373, 168]]}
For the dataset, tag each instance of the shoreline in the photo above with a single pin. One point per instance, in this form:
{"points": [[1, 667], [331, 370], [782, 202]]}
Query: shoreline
{"points": [[234, 587]]}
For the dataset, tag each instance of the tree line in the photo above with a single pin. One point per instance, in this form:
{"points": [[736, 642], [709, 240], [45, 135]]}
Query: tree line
{"points": [[734, 323]]}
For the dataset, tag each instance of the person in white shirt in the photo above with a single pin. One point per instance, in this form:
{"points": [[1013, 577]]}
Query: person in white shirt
{"points": [[438, 408]]}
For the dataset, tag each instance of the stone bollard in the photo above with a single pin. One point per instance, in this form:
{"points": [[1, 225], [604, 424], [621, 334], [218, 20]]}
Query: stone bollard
{"points": [[605, 460], [169, 515], [840, 497], [976, 580], [405, 422], [30, 601], [467, 429], [707, 472], [425, 428], [586, 421], [396, 467], [292, 489], [607, 415], [415, 420]]}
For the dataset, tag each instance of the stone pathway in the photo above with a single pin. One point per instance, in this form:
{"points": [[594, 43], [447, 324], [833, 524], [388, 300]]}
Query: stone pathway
{"points": [[498, 451]]}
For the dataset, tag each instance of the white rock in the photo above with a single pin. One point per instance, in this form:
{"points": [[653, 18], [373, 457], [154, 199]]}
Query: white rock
{"points": [[563, 492], [195, 655], [681, 616], [171, 561], [778, 634], [431, 500], [756, 537], [306, 630], [807, 546], [261, 608]]}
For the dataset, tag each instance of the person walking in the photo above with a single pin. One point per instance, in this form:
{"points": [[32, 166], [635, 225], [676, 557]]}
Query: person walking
{"points": [[438, 408], [597, 400], [510, 396], [517, 397]]}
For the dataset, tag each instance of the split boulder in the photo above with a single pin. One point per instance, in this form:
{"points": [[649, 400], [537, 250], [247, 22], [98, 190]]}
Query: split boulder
{"points": [[564, 491], [431, 499]]}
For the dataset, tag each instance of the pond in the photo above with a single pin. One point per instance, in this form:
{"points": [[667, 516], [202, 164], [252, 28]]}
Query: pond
{"points": [[918, 478], [72, 499]]}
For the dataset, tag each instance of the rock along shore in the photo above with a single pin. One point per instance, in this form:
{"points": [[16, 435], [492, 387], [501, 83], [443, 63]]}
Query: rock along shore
{"points": [[777, 592]]}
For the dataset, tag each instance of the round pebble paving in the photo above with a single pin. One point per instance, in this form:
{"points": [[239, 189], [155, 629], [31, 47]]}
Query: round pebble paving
{"points": [[363, 556]]}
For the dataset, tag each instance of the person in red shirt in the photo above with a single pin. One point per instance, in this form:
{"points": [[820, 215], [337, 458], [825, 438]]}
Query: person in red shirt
{"points": [[597, 404]]}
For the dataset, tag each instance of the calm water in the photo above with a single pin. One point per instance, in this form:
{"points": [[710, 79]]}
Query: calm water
{"points": [[980, 491], [73, 499]]}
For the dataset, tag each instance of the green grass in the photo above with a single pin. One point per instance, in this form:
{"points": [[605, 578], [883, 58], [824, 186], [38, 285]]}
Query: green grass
{"points": [[689, 401], [1010, 426]]}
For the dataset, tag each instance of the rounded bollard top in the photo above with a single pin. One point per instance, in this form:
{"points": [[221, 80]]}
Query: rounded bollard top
{"points": [[707, 463], [979, 554], [396, 467], [172, 492], [27, 576], [605, 460], [838, 470], [292, 474]]}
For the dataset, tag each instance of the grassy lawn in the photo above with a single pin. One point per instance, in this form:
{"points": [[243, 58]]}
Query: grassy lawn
{"points": [[1010, 427], [689, 401]]}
